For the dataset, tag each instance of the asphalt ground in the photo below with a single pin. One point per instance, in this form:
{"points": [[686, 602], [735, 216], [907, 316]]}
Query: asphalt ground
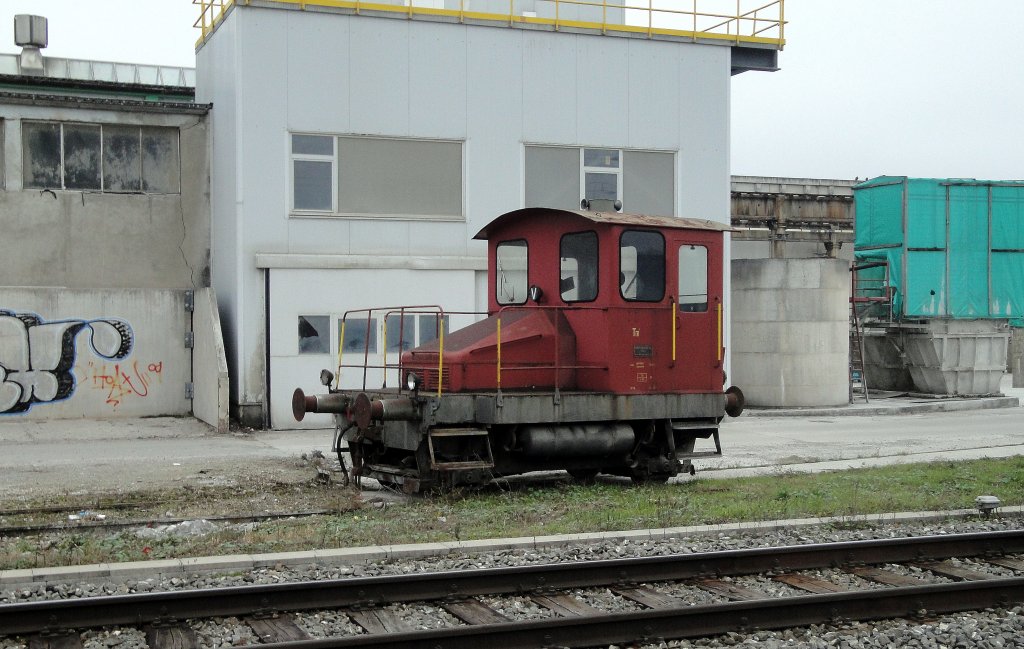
{"points": [[86, 456]]}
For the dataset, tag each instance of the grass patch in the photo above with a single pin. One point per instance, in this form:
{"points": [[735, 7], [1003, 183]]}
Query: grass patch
{"points": [[556, 507]]}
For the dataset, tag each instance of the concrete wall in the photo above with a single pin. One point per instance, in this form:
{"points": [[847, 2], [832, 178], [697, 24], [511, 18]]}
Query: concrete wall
{"points": [[87, 239], [93, 353], [270, 71], [790, 324], [209, 363], [1016, 354]]}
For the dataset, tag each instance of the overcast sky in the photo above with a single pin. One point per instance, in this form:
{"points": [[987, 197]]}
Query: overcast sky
{"points": [[867, 87]]}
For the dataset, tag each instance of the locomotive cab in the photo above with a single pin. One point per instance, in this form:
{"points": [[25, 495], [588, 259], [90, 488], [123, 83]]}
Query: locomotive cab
{"points": [[601, 351]]}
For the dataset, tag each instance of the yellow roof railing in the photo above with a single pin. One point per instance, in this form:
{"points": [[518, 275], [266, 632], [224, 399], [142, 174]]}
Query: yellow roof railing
{"points": [[759, 23]]}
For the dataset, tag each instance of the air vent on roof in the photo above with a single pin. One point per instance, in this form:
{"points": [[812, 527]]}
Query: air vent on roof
{"points": [[30, 32]]}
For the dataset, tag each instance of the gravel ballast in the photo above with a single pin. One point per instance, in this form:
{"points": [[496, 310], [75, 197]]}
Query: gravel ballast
{"points": [[997, 628]]}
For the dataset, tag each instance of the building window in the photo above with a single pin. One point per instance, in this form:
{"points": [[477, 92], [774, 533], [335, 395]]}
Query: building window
{"points": [[101, 157], [313, 186], [601, 173], [578, 263], [314, 334], [359, 336], [642, 266], [376, 176], [561, 177], [693, 278], [430, 326], [400, 331], [512, 261]]}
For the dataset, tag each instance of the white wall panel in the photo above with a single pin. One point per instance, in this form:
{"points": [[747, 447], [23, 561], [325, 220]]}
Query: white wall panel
{"points": [[379, 68], [603, 91], [329, 236], [550, 93], [494, 113], [704, 118], [317, 90], [379, 237], [650, 98], [437, 81]]}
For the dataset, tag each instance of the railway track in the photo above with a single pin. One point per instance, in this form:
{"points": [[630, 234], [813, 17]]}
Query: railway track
{"points": [[903, 577]]}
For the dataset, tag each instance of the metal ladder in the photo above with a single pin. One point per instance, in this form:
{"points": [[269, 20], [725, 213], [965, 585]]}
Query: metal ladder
{"points": [[858, 378]]}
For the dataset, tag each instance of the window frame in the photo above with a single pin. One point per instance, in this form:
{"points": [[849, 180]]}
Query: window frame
{"points": [[585, 169], [312, 157], [498, 273], [664, 268], [597, 266], [336, 210], [685, 247], [102, 126]]}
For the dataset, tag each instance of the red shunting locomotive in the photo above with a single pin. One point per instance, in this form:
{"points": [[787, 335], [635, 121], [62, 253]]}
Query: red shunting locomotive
{"points": [[601, 352]]}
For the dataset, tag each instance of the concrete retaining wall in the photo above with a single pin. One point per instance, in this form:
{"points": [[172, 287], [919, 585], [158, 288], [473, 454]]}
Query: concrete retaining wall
{"points": [[962, 357], [93, 353], [209, 363], [790, 331]]}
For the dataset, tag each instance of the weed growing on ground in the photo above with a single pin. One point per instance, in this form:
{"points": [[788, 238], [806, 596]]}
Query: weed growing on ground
{"points": [[516, 509]]}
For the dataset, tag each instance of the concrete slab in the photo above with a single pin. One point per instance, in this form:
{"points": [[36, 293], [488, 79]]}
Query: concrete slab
{"points": [[89, 456]]}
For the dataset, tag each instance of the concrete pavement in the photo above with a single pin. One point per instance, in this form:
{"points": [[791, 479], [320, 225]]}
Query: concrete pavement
{"points": [[69, 456]]}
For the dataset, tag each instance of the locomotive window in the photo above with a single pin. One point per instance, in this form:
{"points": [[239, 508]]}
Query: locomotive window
{"points": [[314, 334], [578, 276], [510, 273], [642, 266], [693, 278], [356, 335]]}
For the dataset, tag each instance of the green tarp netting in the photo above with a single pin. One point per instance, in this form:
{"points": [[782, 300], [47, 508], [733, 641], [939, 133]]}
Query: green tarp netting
{"points": [[954, 248]]}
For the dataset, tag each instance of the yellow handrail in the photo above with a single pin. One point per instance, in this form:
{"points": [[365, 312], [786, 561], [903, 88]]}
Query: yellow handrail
{"points": [[719, 331], [743, 24]]}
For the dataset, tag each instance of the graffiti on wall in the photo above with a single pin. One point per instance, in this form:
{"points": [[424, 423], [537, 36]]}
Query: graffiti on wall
{"points": [[37, 357], [119, 381]]}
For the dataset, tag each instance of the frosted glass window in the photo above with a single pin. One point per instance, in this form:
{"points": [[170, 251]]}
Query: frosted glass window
{"points": [[98, 157], [399, 176], [161, 169], [41, 147], [122, 159], [553, 177], [648, 183]]}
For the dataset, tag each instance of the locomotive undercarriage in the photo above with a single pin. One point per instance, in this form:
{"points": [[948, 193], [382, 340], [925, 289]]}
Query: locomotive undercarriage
{"points": [[427, 442]]}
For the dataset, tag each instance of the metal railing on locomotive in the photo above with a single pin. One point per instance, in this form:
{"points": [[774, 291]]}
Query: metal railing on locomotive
{"points": [[751, 22], [401, 311], [440, 314]]}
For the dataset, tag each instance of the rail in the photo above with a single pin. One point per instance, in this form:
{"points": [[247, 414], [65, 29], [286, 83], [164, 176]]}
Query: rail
{"points": [[665, 618], [746, 22]]}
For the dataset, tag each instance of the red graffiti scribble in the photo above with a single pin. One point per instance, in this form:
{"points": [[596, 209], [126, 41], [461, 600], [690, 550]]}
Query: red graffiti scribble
{"points": [[123, 381]]}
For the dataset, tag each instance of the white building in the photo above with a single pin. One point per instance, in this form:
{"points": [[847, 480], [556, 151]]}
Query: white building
{"points": [[357, 151]]}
